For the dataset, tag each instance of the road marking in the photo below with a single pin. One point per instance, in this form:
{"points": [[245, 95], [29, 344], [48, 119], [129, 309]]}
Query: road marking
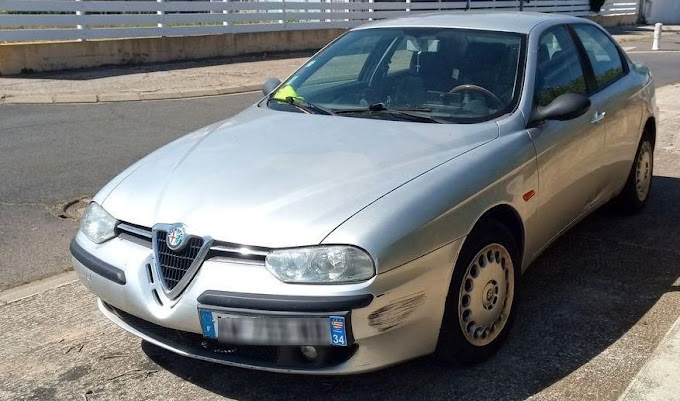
{"points": [[654, 51], [629, 48]]}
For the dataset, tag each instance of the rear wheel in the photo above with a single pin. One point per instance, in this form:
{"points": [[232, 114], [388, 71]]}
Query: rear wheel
{"points": [[479, 306], [635, 193]]}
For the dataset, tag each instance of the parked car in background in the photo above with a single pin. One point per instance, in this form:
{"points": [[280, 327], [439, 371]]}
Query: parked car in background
{"points": [[381, 203]]}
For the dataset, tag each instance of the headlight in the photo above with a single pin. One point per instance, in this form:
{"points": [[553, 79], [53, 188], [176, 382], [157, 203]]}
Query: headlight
{"points": [[97, 224], [321, 264]]}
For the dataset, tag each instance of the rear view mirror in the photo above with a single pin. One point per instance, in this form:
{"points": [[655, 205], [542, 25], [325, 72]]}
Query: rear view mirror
{"points": [[269, 85], [565, 107]]}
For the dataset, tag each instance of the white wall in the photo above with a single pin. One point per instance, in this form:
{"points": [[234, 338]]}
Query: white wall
{"points": [[664, 11]]}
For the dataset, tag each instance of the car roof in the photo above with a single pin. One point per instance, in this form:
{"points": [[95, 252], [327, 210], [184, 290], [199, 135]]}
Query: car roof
{"points": [[505, 21]]}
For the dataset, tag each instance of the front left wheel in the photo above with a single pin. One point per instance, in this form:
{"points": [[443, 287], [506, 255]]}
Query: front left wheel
{"points": [[480, 303]]}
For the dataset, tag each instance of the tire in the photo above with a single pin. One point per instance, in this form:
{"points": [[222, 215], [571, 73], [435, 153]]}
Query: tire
{"points": [[635, 193], [462, 339]]}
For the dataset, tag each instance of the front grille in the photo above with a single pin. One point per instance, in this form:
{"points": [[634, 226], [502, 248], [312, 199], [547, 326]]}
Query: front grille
{"points": [[174, 264]]}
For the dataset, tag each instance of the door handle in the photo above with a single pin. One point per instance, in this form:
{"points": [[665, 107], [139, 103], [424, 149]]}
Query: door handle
{"points": [[597, 117]]}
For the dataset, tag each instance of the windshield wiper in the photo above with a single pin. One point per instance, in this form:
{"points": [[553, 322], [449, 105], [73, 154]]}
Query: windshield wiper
{"points": [[410, 113], [302, 104]]}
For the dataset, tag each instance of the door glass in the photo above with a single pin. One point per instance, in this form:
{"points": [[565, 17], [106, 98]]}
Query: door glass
{"points": [[346, 65], [602, 53], [558, 68], [401, 58]]}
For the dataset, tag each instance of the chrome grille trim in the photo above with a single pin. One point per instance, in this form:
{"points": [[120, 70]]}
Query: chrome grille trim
{"points": [[143, 232], [239, 250], [219, 250]]}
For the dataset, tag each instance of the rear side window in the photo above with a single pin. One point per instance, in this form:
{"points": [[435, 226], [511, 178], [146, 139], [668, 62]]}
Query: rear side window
{"points": [[602, 53], [558, 69]]}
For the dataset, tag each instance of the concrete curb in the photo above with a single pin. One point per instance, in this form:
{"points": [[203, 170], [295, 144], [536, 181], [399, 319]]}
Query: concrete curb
{"points": [[75, 98], [36, 287], [657, 371]]}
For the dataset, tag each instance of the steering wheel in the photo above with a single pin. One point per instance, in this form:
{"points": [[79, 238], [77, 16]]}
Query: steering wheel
{"points": [[483, 91]]}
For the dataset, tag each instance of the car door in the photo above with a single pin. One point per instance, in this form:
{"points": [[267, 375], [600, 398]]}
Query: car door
{"points": [[621, 105], [568, 152]]}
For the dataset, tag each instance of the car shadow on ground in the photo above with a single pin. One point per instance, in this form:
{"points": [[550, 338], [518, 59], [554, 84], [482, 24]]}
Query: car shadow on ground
{"points": [[587, 290]]}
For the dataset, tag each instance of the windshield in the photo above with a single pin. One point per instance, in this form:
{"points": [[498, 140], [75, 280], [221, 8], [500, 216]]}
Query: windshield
{"points": [[443, 74]]}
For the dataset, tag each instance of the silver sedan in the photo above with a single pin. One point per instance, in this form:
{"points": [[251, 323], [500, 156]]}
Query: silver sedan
{"points": [[381, 203]]}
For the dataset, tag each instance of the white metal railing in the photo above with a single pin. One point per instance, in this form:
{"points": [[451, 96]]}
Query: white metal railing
{"points": [[29, 20], [612, 7]]}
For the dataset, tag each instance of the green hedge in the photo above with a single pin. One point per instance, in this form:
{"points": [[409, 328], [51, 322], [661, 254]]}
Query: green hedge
{"points": [[596, 5]]}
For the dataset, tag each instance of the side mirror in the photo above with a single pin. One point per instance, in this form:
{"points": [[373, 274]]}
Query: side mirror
{"points": [[269, 85], [565, 107]]}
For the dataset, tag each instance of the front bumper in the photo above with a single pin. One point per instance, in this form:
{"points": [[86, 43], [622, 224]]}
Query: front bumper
{"points": [[392, 318]]}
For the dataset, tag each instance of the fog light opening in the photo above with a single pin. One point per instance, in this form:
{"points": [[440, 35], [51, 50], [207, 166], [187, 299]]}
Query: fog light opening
{"points": [[309, 352]]}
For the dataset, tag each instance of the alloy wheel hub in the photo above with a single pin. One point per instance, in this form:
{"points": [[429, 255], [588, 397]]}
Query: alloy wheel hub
{"points": [[486, 295]]}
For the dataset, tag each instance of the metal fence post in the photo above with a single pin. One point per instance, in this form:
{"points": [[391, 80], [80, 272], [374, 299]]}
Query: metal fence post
{"points": [[283, 11], [521, 5], [80, 26], [159, 12]]}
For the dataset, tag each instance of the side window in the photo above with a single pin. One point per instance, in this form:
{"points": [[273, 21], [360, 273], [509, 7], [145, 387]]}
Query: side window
{"points": [[558, 68], [401, 59], [602, 53], [345, 66]]}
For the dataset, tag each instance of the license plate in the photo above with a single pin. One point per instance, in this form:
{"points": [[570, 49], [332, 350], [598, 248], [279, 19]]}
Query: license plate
{"points": [[266, 330]]}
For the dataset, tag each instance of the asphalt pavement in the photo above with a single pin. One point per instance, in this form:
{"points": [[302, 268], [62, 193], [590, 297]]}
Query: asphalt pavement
{"points": [[664, 63], [51, 155]]}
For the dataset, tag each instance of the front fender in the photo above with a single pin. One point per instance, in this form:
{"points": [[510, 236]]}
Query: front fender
{"points": [[444, 204]]}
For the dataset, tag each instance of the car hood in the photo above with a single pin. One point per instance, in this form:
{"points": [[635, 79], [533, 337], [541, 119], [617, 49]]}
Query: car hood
{"points": [[280, 179]]}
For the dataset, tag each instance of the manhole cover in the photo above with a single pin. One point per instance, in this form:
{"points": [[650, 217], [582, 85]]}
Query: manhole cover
{"points": [[74, 210]]}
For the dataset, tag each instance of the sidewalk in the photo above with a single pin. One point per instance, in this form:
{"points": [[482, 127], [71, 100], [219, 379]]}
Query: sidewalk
{"points": [[146, 82], [186, 79]]}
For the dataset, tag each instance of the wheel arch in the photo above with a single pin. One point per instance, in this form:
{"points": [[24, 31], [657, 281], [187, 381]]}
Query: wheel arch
{"points": [[507, 215], [650, 129]]}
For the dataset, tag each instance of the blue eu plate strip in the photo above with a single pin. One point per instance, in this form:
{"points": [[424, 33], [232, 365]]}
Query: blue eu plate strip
{"points": [[338, 334], [208, 323]]}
